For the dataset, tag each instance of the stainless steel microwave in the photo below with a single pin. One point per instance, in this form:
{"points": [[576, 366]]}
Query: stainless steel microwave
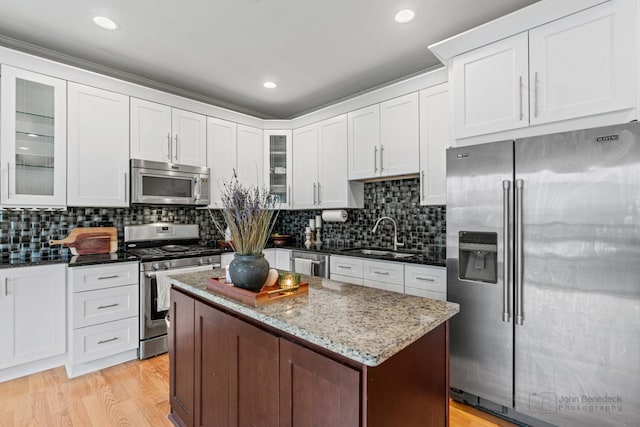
{"points": [[157, 183]]}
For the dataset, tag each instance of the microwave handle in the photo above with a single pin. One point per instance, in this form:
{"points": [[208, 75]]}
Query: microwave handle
{"points": [[197, 189]]}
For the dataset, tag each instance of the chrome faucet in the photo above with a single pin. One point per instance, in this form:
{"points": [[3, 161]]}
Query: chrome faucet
{"points": [[395, 231]]}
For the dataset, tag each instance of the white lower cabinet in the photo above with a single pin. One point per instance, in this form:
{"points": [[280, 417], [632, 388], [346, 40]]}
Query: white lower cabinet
{"points": [[103, 316], [283, 259], [412, 279], [346, 269], [425, 281], [32, 319], [388, 276]]}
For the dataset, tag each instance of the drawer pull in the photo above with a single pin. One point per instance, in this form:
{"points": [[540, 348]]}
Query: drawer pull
{"points": [[100, 307], [108, 277], [386, 273], [427, 279], [109, 340], [347, 267]]}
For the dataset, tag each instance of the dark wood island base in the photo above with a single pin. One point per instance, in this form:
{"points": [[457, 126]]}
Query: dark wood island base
{"points": [[230, 370]]}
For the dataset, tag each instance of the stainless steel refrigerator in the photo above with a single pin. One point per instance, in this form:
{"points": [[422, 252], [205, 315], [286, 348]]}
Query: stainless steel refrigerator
{"points": [[543, 256]]}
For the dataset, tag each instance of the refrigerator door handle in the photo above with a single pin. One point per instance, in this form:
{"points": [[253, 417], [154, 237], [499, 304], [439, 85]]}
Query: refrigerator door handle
{"points": [[506, 263], [518, 249]]}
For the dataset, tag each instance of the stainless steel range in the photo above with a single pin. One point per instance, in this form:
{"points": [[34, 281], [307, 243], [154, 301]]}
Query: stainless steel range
{"points": [[163, 249]]}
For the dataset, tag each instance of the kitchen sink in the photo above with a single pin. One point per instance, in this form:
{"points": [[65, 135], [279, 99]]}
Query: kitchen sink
{"points": [[379, 252]]}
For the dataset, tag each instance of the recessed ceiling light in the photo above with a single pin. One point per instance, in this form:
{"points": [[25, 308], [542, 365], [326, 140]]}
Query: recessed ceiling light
{"points": [[32, 135], [24, 148], [105, 23], [404, 16], [270, 85]]}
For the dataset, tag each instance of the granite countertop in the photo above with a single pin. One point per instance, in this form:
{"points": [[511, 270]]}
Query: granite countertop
{"points": [[364, 324]]}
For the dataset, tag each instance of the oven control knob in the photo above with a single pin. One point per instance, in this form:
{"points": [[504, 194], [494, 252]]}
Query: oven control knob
{"points": [[210, 259], [166, 265], [155, 266], [201, 261]]}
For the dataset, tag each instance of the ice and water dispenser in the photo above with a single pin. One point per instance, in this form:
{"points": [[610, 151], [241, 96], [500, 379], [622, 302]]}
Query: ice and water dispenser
{"points": [[478, 256]]}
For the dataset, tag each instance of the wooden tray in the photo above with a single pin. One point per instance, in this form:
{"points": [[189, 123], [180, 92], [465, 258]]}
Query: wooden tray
{"points": [[255, 299]]}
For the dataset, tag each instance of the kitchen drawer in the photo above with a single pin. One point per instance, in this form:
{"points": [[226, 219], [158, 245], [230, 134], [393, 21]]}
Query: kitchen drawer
{"points": [[347, 279], [381, 271], [442, 296], [346, 266], [106, 339], [426, 278], [103, 276], [104, 305], [393, 287]]}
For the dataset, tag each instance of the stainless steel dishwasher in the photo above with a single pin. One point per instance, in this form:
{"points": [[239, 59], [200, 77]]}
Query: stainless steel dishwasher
{"points": [[311, 263]]}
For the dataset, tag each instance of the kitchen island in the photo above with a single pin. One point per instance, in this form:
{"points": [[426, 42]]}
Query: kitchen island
{"points": [[341, 355]]}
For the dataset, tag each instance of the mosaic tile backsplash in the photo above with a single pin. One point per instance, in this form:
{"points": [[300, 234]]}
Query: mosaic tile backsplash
{"points": [[25, 234]]}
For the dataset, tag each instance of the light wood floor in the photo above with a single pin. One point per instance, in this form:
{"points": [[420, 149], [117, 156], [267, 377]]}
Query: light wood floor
{"points": [[131, 394]]}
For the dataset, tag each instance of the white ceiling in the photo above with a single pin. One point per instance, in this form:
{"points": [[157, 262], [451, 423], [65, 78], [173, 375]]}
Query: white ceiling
{"points": [[222, 50]]}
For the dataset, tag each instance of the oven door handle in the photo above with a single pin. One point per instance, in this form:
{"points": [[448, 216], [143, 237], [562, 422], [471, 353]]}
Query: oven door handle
{"points": [[152, 274]]}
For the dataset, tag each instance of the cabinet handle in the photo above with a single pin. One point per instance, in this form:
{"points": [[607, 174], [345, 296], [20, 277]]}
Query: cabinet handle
{"points": [[126, 188], [346, 267], [169, 146], [8, 175], [107, 277], [422, 185], [319, 193], [6, 286], [289, 195], [426, 279], [535, 94], [385, 273], [375, 159], [314, 194], [176, 155], [520, 94], [381, 158], [109, 340], [101, 307]]}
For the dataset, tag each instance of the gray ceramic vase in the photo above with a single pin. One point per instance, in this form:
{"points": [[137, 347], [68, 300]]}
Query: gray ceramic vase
{"points": [[249, 271]]}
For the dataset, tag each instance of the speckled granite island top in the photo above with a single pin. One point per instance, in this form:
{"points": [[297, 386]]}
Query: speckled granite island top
{"points": [[364, 324]]}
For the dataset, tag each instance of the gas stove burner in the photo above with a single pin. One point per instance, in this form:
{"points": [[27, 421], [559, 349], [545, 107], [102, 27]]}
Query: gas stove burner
{"points": [[174, 248]]}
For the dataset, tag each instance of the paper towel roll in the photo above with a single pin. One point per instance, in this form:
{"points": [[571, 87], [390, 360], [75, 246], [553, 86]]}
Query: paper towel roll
{"points": [[338, 215]]}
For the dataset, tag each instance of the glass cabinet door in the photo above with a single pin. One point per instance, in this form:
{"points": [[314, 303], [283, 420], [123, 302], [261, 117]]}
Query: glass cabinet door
{"points": [[33, 139], [279, 162]]}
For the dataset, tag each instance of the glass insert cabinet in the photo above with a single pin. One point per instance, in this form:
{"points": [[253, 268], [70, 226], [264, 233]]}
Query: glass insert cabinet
{"points": [[278, 162], [33, 139]]}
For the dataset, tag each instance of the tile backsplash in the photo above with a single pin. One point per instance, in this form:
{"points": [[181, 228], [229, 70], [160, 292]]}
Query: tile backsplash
{"points": [[419, 227], [25, 233]]}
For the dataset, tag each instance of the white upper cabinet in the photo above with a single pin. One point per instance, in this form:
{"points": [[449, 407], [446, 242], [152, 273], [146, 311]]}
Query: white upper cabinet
{"points": [[34, 139], [221, 156], [399, 136], [582, 65], [490, 88], [333, 182], [305, 167], [320, 179], [189, 138], [278, 161], [250, 158], [364, 142], [383, 139], [233, 150], [164, 134], [435, 137], [98, 147]]}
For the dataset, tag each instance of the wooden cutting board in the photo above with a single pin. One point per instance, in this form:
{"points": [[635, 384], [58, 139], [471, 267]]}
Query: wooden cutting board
{"points": [[90, 240]]}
